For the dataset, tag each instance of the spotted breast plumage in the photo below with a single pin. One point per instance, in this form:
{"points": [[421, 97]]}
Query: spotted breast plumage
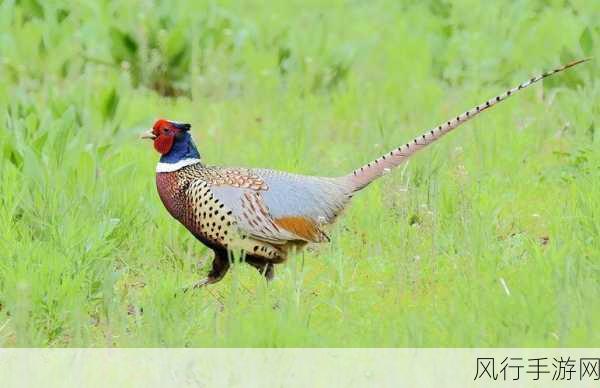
{"points": [[261, 214]]}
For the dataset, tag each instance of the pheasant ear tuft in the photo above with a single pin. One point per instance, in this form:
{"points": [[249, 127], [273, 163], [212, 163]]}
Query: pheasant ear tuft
{"points": [[162, 123], [183, 127]]}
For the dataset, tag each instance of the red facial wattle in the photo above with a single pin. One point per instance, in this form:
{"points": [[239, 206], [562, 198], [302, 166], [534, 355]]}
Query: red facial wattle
{"points": [[164, 136], [163, 143]]}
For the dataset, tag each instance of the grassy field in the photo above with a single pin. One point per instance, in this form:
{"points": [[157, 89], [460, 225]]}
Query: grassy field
{"points": [[490, 237]]}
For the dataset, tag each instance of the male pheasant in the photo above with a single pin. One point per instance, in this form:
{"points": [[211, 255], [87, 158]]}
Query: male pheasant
{"points": [[263, 213]]}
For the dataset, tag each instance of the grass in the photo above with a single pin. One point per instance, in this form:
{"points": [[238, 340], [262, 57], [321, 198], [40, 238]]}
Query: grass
{"points": [[491, 237]]}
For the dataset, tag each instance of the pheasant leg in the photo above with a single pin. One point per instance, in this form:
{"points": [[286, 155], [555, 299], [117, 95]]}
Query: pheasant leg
{"points": [[220, 266], [266, 268]]}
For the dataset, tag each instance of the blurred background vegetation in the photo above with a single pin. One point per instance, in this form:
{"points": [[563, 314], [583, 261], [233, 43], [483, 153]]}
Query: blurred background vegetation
{"points": [[490, 238]]}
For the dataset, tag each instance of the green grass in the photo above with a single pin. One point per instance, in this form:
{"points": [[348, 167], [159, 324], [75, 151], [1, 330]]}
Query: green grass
{"points": [[491, 237]]}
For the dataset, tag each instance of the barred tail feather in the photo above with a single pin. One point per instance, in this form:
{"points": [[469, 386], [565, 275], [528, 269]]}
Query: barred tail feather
{"points": [[366, 174]]}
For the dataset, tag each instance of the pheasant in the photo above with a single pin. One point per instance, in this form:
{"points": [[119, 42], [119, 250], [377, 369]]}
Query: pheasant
{"points": [[263, 214]]}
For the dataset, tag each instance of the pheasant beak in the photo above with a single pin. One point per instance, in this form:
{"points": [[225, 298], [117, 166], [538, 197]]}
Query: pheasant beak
{"points": [[148, 135]]}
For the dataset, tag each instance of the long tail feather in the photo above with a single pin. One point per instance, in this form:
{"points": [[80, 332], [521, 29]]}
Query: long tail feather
{"points": [[366, 174]]}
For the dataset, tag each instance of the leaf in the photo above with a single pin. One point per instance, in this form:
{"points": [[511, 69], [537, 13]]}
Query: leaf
{"points": [[123, 45], [62, 14], [441, 9], [586, 41], [340, 72], [39, 142], [175, 43], [566, 55], [591, 131], [178, 58], [101, 150], [569, 79], [110, 104], [33, 9], [283, 57], [13, 156], [32, 122]]}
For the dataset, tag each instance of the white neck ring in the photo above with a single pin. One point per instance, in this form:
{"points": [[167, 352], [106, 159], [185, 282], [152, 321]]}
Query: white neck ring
{"points": [[170, 167]]}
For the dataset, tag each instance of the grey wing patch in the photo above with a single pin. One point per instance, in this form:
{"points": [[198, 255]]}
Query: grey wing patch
{"points": [[316, 198], [252, 214]]}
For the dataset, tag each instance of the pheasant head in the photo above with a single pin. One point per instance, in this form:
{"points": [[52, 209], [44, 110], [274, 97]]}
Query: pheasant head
{"points": [[174, 142]]}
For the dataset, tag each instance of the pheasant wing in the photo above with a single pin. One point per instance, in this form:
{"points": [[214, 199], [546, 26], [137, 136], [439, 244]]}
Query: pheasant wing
{"points": [[280, 207], [252, 214]]}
